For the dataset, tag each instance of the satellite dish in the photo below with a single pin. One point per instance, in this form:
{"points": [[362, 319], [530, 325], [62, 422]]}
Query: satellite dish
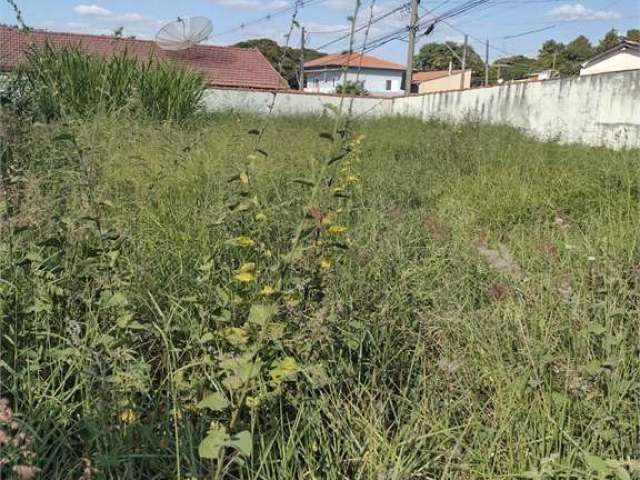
{"points": [[184, 33]]}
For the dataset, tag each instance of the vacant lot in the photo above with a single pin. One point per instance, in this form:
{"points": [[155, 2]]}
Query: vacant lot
{"points": [[440, 302]]}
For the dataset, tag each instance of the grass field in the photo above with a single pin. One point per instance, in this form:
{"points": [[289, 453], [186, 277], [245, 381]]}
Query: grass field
{"points": [[444, 302]]}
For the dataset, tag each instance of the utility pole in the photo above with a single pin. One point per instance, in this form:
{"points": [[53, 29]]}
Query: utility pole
{"points": [[412, 46], [486, 66], [301, 78], [464, 61]]}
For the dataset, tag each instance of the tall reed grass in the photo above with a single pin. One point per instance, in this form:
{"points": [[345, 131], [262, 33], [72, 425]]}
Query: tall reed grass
{"points": [[57, 82]]}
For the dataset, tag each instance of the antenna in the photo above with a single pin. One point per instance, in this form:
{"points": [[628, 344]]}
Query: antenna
{"points": [[184, 33]]}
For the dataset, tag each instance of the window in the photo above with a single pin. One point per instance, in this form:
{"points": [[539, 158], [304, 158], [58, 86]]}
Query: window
{"points": [[388, 85]]}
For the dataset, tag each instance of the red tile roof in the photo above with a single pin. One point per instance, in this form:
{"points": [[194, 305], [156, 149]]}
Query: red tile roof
{"points": [[230, 67], [353, 60], [433, 75]]}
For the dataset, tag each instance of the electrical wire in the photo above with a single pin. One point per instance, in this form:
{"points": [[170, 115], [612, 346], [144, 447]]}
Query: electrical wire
{"points": [[268, 17]]}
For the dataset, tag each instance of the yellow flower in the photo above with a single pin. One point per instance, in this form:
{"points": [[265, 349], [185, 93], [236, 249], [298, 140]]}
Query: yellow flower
{"points": [[244, 178], [246, 273], [244, 242], [268, 291], [252, 402], [128, 416], [260, 217], [245, 277], [285, 369], [247, 267], [337, 229], [353, 179], [325, 264]]}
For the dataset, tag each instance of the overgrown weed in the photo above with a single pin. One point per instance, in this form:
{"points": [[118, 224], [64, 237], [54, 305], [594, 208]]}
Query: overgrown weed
{"points": [[155, 297]]}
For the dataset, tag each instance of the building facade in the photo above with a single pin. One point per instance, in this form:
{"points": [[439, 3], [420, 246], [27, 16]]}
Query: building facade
{"points": [[625, 56], [441, 81], [373, 75]]}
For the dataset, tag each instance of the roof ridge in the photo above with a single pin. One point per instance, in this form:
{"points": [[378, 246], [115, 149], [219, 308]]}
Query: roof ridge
{"points": [[234, 67], [108, 37]]}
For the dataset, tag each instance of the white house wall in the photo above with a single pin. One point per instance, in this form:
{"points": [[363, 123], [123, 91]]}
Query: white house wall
{"points": [[375, 80], [617, 62]]}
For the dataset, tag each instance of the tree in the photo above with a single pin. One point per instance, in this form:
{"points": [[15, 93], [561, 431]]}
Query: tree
{"points": [[576, 52], [516, 67], [610, 40], [274, 53], [436, 56], [633, 35], [550, 54]]}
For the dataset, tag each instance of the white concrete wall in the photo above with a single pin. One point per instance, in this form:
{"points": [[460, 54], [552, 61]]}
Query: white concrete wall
{"points": [[374, 80], [617, 62], [599, 110], [592, 110], [290, 103]]}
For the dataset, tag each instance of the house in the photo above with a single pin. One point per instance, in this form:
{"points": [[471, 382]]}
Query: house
{"points": [[544, 75], [223, 67], [440, 81], [622, 57], [376, 76]]}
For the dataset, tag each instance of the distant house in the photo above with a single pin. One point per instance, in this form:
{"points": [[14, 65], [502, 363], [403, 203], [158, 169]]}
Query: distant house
{"points": [[544, 75], [376, 76], [622, 57], [225, 67], [440, 81]]}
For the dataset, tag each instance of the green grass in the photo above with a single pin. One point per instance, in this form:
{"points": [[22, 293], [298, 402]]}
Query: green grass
{"points": [[65, 82], [483, 322]]}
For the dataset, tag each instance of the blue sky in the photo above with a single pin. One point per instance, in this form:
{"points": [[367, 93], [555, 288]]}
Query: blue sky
{"points": [[326, 18]]}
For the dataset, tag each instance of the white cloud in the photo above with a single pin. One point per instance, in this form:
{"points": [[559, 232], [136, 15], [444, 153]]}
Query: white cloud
{"points": [[92, 10], [341, 4], [134, 23], [576, 11], [252, 4]]}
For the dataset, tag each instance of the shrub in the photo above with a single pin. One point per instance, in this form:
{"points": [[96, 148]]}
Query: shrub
{"points": [[60, 82], [351, 88]]}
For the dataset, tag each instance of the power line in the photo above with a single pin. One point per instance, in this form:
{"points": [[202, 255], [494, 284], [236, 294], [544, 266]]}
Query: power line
{"points": [[530, 32], [269, 16], [362, 27]]}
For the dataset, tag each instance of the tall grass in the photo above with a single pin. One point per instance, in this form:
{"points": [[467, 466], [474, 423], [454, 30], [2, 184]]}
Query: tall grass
{"points": [[57, 82], [481, 321]]}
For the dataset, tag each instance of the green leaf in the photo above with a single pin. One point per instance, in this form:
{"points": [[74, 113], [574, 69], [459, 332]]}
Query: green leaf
{"points": [[304, 182], [533, 474], [216, 402], [261, 314], [215, 440], [326, 135], [285, 369], [116, 300], [40, 305], [66, 136], [597, 329], [622, 473], [596, 463], [243, 442], [337, 157]]}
